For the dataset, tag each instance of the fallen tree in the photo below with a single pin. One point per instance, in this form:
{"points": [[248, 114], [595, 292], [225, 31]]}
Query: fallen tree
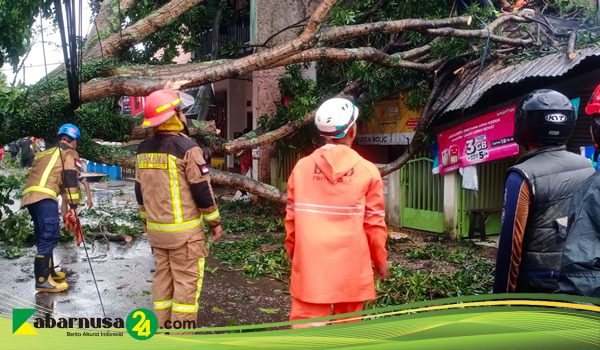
{"points": [[397, 45]]}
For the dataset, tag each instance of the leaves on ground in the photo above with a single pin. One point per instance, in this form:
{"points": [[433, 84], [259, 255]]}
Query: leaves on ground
{"points": [[269, 311]]}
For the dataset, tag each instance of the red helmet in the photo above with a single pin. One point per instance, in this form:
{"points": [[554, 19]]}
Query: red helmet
{"points": [[593, 107], [159, 107]]}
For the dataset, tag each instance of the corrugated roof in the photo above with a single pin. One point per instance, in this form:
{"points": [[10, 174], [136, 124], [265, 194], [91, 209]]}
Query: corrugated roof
{"points": [[496, 74]]}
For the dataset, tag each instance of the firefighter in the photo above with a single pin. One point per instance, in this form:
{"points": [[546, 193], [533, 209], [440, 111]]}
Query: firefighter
{"points": [[580, 271], [537, 193], [335, 222], [52, 172], [175, 196]]}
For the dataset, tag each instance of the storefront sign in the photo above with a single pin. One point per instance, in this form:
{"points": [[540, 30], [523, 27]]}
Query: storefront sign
{"points": [[478, 140], [392, 124]]}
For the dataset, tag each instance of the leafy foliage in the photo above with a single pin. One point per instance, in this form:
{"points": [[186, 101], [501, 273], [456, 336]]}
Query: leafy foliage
{"points": [[184, 32], [8, 185], [16, 19], [418, 97], [245, 217], [472, 274], [12, 106], [434, 251], [254, 256], [571, 8], [15, 232], [104, 218], [100, 120]]}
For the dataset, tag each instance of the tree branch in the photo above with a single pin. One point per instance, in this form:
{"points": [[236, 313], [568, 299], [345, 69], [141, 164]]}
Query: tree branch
{"points": [[352, 31], [107, 21], [484, 32], [434, 105], [291, 26], [248, 184], [247, 141], [356, 54], [267, 57], [148, 70], [115, 43], [115, 86], [195, 74]]}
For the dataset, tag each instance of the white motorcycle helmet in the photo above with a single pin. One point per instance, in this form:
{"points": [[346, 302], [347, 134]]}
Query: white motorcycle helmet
{"points": [[335, 117]]}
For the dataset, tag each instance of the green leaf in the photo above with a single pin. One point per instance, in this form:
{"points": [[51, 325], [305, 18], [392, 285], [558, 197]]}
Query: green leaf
{"points": [[269, 311]]}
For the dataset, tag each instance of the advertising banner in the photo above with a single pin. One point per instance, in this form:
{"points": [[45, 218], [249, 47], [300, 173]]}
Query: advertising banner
{"points": [[393, 124], [483, 139]]}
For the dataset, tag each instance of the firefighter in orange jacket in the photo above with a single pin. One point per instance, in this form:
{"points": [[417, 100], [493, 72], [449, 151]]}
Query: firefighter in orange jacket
{"points": [[173, 190], [335, 222], [53, 171]]}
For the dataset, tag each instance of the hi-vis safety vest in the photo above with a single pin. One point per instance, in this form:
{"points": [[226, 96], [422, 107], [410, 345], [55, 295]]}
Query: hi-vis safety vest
{"points": [[173, 189], [45, 180]]}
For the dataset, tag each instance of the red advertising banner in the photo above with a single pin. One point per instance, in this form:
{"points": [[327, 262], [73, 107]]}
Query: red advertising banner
{"points": [[478, 140]]}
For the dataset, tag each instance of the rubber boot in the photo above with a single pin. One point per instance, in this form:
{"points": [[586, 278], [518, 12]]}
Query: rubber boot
{"points": [[43, 280], [57, 276]]}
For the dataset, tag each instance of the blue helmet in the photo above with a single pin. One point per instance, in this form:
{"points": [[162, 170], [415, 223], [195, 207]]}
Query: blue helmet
{"points": [[70, 130]]}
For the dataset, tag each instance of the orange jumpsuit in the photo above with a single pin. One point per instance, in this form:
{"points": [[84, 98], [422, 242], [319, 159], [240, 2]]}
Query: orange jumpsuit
{"points": [[336, 232]]}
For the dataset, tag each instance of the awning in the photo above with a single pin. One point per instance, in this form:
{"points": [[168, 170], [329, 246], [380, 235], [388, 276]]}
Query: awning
{"points": [[499, 73]]}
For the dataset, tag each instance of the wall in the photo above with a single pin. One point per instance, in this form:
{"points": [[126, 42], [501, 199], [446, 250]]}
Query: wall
{"points": [[268, 17], [238, 92], [265, 95], [392, 199]]}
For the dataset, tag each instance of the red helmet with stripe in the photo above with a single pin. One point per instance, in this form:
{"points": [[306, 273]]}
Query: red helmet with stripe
{"points": [[159, 107], [593, 107]]}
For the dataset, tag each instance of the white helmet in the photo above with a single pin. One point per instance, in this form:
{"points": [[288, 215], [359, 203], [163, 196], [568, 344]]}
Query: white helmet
{"points": [[335, 117]]}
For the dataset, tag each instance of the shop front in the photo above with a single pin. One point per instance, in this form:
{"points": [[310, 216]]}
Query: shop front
{"points": [[474, 136]]}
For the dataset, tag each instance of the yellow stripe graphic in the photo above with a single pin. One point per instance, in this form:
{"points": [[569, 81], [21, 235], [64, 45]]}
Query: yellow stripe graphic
{"points": [[49, 167], [557, 304], [175, 195]]}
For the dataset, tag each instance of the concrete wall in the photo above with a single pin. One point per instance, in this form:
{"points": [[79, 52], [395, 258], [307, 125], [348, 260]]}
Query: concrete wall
{"points": [[269, 17], [274, 15], [451, 193], [238, 92], [392, 199], [265, 95]]}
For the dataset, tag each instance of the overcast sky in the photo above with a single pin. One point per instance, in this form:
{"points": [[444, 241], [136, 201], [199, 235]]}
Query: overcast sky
{"points": [[34, 64]]}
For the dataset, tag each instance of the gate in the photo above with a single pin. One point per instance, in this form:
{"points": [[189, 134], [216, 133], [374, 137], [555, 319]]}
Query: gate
{"points": [[422, 206]]}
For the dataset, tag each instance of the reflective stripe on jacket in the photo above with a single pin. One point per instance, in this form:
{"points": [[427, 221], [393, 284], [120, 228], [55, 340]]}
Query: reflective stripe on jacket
{"points": [[46, 176], [335, 226], [173, 189]]}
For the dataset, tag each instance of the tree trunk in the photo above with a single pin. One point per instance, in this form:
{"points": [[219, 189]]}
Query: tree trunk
{"points": [[197, 127]]}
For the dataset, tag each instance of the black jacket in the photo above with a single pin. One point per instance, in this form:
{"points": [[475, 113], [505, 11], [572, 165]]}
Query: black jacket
{"points": [[580, 271]]}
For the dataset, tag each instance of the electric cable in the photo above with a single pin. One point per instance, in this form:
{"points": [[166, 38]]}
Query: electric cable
{"points": [[72, 66]]}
